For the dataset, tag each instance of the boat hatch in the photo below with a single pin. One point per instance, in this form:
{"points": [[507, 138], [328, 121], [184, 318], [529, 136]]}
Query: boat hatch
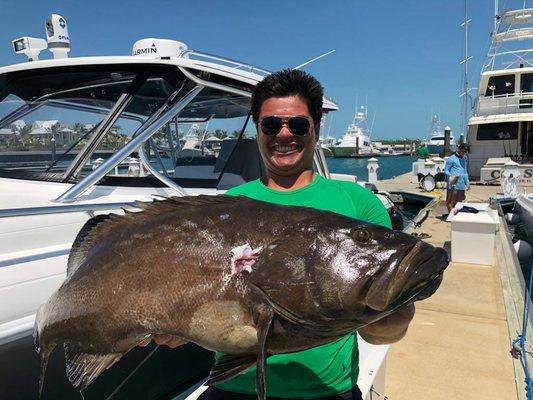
{"points": [[60, 124]]}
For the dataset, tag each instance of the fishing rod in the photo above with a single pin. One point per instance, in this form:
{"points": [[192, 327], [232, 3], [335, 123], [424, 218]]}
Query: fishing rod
{"points": [[126, 379]]}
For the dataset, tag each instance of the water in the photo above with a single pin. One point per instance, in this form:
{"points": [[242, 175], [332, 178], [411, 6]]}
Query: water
{"points": [[389, 167]]}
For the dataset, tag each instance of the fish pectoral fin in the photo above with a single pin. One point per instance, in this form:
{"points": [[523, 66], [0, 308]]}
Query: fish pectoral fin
{"points": [[264, 316], [84, 368], [44, 355], [228, 366]]}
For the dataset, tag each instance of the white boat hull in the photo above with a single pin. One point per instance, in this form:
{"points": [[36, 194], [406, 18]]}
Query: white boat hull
{"points": [[34, 248]]}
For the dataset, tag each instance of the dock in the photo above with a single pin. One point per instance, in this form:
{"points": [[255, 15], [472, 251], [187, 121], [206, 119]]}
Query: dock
{"points": [[457, 346]]}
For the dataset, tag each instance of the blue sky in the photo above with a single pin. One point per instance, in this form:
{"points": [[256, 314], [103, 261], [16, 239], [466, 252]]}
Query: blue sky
{"points": [[403, 55]]}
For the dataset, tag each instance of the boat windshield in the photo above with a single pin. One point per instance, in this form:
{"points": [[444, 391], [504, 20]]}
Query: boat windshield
{"points": [[62, 123]]}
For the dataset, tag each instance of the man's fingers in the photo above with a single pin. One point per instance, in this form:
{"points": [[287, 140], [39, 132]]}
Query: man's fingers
{"points": [[146, 341], [162, 340], [168, 340]]}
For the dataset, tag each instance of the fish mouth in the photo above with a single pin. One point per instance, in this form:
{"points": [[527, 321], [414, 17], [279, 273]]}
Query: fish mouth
{"points": [[417, 277]]}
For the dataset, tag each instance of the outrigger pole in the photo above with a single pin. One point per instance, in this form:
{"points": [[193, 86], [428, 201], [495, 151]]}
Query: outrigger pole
{"points": [[314, 59]]}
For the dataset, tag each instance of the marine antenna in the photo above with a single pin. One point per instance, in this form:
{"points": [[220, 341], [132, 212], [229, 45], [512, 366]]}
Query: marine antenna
{"points": [[314, 59], [465, 94]]}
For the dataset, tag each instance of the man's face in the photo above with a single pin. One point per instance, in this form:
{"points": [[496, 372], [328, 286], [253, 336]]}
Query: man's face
{"points": [[284, 153], [461, 152]]}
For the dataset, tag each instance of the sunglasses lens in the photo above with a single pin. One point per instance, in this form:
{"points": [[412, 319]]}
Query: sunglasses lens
{"points": [[299, 125], [271, 125]]}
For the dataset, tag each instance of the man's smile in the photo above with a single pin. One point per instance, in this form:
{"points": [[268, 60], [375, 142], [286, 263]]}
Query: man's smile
{"points": [[286, 148]]}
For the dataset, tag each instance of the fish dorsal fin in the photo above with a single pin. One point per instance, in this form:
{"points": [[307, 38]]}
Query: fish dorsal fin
{"points": [[83, 243], [172, 204], [94, 228], [83, 368]]}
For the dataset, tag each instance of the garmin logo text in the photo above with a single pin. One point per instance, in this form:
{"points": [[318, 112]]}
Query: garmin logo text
{"points": [[147, 50]]}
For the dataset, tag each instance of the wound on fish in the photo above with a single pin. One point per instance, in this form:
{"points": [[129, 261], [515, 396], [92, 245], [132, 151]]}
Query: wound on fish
{"points": [[243, 258]]}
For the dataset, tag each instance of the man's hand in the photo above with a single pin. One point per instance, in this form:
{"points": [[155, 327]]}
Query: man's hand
{"points": [[468, 187], [389, 329], [167, 340], [453, 179]]}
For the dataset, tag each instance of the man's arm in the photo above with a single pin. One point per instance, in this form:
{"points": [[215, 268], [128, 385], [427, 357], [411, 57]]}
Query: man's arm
{"points": [[467, 180], [448, 167]]}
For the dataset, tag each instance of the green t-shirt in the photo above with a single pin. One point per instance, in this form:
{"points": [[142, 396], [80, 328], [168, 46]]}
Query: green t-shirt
{"points": [[331, 368], [422, 152]]}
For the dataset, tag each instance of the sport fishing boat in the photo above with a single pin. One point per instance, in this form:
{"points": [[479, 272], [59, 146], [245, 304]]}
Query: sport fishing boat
{"points": [[436, 141], [106, 133], [356, 140], [501, 128]]}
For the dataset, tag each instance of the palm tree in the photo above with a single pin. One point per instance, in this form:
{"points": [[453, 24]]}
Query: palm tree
{"points": [[220, 134]]}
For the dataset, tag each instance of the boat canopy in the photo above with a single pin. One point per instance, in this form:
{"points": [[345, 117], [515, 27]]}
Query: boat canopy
{"points": [[82, 120]]}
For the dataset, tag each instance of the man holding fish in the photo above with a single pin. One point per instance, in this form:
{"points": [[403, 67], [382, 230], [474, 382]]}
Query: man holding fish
{"points": [[276, 277], [287, 110]]}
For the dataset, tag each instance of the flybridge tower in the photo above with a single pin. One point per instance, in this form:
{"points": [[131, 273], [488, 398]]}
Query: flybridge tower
{"points": [[511, 29]]}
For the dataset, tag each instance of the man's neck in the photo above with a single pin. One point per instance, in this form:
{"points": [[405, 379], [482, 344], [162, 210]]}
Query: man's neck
{"points": [[292, 182]]}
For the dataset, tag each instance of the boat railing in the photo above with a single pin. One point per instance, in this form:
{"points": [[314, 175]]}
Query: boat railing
{"points": [[510, 103], [63, 208], [199, 56]]}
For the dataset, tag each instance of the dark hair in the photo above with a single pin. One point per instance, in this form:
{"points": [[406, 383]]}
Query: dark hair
{"points": [[290, 82]]}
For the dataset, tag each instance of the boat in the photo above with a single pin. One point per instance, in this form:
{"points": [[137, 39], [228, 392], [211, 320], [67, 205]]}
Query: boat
{"points": [[326, 143], [436, 140], [356, 139], [115, 115], [501, 126]]}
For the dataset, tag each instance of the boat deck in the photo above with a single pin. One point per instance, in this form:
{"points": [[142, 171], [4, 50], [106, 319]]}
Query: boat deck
{"points": [[457, 346]]}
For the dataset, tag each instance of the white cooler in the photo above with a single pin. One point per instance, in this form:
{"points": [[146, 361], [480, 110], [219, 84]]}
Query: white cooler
{"points": [[473, 235]]}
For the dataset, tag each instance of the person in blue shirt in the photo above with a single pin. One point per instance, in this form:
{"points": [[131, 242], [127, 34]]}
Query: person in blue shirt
{"points": [[456, 177]]}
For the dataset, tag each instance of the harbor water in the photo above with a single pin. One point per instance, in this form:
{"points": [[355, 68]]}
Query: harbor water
{"points": [[389, 167]]}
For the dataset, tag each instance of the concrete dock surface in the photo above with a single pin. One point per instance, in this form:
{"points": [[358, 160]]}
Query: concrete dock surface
{"points": [[457, 346]]}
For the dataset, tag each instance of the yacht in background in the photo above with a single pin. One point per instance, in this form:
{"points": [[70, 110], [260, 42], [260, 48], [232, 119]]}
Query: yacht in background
{"points": [[356, 140], [501, 128], [326, 143], [436, 140]]}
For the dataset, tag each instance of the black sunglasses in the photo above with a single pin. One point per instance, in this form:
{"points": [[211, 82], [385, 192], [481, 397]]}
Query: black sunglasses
{"points": [[272, 124]]}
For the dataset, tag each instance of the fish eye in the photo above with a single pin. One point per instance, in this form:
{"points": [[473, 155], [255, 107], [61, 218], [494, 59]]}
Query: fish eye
{"points": [[360, 235]]}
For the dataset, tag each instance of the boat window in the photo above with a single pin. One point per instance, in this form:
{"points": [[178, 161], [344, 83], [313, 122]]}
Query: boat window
{"points": [[500, 131], [201, 148], [45, 114], [45, 124], [526, 83], [47, 117], [500, 85]]}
